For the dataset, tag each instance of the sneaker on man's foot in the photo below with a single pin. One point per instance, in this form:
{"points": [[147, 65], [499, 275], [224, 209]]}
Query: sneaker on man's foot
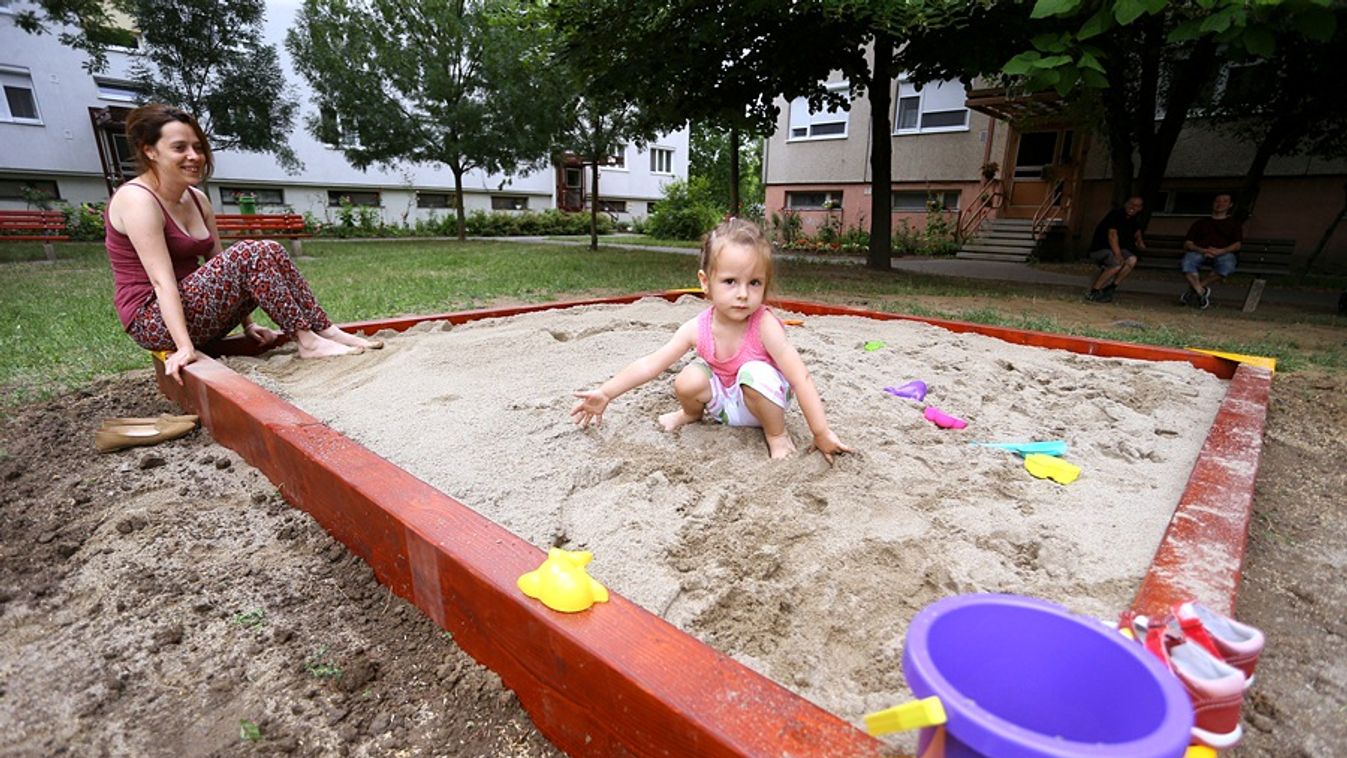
{"points": [[1188, 297], [1093, 296], [1215, 688], [1237, 644], [1204, 301]]}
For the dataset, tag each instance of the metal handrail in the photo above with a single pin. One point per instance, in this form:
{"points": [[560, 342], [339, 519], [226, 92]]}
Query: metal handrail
{"points": [[1049, 210], [971, 218]]}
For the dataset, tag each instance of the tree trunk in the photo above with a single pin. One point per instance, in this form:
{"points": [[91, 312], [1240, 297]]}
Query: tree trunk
{"points": [[594, 209], [734, 171], [1185, 84], [458, 203], [1269, 146], [880, 255], [1117, 127], [1328, 233]]}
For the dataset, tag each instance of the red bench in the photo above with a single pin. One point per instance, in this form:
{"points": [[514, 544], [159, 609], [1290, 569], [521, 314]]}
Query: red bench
{"points": [[290, 226], [44, 226]]}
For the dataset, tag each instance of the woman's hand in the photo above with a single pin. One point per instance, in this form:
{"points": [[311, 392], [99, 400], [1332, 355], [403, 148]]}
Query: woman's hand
{"points": [[174, 363], [828, 444], [591, 407], [261, 334]]}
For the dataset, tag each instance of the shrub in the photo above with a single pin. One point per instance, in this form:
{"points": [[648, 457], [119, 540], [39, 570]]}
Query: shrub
{"points": [[686, 212], [83, 222]]}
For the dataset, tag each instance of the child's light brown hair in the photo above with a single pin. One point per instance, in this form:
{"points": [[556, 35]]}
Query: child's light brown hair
{"points": [[736, 231]]}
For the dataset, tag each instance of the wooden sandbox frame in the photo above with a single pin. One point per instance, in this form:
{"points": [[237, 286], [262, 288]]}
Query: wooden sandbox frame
{"points": [[617, 680]]}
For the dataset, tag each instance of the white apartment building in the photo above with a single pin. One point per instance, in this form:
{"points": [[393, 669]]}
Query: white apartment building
{"points": [[60, 132]]}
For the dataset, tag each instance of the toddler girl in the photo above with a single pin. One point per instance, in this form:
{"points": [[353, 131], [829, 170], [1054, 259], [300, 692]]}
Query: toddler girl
{"points": [[746, 368]]}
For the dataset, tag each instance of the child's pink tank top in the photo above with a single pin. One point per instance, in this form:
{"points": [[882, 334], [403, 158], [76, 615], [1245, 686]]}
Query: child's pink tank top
{"points": [[750, 348]]}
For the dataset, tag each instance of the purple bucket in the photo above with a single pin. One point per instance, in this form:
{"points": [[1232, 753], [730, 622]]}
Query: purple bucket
{"points": [[1023, 677]]}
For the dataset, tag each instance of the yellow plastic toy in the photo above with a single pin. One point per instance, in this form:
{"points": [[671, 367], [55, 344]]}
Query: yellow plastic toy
{"points": [[1050, 467], [1199, 751], [900, 718], [561, 582]]}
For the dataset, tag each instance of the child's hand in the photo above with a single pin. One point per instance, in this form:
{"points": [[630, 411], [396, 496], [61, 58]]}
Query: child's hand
{"points": [[591, 407], [828, 444]]}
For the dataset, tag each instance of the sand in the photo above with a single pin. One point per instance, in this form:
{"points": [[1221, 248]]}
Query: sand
{"points": [[806, 573]]}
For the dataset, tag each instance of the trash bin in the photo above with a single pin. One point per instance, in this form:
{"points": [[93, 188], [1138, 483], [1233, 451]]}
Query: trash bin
{"points": [[248, 203]]}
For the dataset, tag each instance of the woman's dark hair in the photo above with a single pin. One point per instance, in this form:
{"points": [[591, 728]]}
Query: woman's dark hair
{"points": [[146, 124]]}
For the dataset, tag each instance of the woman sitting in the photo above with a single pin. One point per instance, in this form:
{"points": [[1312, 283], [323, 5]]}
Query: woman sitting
{"points": [[158, 225]]}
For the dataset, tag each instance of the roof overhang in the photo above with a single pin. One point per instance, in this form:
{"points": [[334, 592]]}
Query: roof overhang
{"points": [[1016, 107]]}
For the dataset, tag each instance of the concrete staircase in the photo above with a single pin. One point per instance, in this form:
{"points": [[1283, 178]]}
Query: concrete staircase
{"points": [[1006, 239]]}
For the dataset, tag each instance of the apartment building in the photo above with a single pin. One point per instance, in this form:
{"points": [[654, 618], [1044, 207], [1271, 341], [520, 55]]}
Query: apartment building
{"points": [[61, 131]]}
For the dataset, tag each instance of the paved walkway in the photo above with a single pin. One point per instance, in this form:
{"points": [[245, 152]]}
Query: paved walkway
{"points": [[1229, 295]]}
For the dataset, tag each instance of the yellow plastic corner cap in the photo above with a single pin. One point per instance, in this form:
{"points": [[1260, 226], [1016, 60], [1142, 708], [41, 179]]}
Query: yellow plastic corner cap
{"points": [[562, 583], [1258, 361], [900, 718]]}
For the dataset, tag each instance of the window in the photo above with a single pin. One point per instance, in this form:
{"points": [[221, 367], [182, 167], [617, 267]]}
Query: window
{"points": [[661, 160], [334, 131], [118, 90], [509, 203], [650, 206], [23, 189], [264, 195], [613, 206], [830, 123], [922, 201], [354, 197], [814, 201], [19, 104], [435, 200], [618, 160], [1184, 202], [938, 107]]}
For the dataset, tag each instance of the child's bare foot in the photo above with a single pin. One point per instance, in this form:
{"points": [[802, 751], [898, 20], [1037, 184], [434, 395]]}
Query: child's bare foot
{"points": [[779, 445], [318, 347], [674, 419], [344, 338]]}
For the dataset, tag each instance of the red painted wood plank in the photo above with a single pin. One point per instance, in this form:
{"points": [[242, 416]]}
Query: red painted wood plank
{"points": [[614, 680], [1202, 553]]}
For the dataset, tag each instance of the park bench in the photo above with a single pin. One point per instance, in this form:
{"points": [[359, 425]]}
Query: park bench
{"points": [[1261, 258], [290, 226], [44, 226]]}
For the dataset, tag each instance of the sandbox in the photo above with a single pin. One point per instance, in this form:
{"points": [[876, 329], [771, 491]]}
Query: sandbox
{"points": [[793, 547]]}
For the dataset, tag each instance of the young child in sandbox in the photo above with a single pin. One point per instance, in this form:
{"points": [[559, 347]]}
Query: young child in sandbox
{"points": [[746, 368]]}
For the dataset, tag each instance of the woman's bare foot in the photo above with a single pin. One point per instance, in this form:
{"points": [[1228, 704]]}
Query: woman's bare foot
{"points": [[337, 335], [779, 445], [674, 419], [314, 346]]}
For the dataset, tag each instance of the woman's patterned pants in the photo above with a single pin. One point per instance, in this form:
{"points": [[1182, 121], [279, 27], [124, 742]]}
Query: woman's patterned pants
{"points": [[216, 297]]}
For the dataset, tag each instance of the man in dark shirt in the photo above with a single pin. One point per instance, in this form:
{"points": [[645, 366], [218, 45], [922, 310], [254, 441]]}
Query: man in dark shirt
{"points": [[1210, 243], [1116, 239]]}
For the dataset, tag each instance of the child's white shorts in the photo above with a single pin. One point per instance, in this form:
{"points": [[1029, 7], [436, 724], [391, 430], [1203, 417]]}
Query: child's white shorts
{"points": [[727, 403]]}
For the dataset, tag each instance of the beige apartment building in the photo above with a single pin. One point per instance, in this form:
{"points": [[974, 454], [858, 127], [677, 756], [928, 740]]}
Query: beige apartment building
{"points": [[818, 165]]}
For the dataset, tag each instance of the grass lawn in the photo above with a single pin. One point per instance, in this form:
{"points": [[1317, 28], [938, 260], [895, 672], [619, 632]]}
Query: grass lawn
{"points": [[58, 329], [631, 239]]}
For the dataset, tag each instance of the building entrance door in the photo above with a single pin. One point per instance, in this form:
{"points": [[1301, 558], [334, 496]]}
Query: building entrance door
{"points": [[1043, 159]]}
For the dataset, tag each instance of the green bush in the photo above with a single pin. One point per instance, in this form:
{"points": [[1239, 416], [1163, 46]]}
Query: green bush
{"points": [[550, 222], [83, 222], [686, 212]]}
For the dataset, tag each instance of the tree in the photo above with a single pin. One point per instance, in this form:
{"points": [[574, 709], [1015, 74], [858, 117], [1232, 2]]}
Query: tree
{"points": [[718, 64], [1143, 57], [463, 85], [594, 129], [712, 155], [204, 56]]}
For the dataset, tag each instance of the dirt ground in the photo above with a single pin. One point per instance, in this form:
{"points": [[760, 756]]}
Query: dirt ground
{"points": [[166, 602]]}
